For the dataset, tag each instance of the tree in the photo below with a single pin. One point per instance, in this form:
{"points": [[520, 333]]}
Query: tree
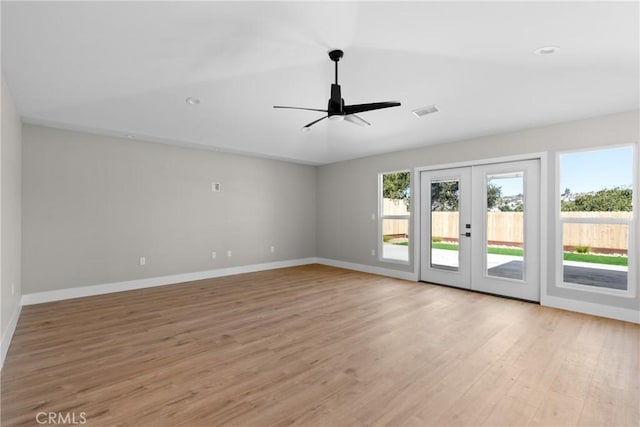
{"points": [[445, 196], [616, 199], [494, 193], [397, 186]]}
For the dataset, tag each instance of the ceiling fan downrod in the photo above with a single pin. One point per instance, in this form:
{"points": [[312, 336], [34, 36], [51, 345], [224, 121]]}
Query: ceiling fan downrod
{"points": [[335, 55]]}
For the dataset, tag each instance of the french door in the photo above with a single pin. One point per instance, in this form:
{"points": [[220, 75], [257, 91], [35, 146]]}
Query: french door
{"points": [[480, 228]]}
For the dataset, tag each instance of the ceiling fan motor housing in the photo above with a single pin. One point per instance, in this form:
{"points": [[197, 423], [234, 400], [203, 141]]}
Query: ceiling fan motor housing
{"points": [[336, 103], [336, 55]]}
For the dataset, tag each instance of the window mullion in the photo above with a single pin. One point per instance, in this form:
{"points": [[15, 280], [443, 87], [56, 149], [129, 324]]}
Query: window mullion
{"points": [[587, 220]]}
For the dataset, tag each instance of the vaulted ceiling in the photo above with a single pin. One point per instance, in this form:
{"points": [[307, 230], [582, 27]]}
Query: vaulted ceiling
{"points": [[126, 68]]}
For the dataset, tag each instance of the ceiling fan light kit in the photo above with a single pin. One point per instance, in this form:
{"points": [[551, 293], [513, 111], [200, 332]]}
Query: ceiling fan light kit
{"points": [[336, 108]]}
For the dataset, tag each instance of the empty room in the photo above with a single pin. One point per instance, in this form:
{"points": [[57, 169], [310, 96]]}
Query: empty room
{"points": [[320, 213]]}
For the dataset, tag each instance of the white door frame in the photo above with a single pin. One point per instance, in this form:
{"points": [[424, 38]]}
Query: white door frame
{"points": [[544, 190]]}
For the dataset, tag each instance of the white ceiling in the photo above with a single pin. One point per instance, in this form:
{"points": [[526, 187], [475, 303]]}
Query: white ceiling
{"points": [[126, 68]]}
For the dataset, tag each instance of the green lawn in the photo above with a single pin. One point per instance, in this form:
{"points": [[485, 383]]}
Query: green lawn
{"points": [[492, 250], [568, 256], [598, 259]]}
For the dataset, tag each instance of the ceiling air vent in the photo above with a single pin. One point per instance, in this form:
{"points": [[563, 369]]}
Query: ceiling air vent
{"points": [[423, 111]]}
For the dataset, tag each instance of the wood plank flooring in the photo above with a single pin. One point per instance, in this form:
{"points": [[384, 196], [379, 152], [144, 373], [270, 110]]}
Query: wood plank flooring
{"points": [[318, 346]]}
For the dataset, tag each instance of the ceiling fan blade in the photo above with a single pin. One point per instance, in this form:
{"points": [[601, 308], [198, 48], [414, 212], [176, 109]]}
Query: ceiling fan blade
{"points": [[336, 108], [307, 126], [361, 108], [356, 120], [300, 108]]}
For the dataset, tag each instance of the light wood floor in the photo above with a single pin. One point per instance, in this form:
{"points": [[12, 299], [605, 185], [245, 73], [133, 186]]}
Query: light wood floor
{"points": [[316, 345]]}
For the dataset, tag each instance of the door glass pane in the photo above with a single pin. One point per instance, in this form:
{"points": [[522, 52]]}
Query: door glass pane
{"points": [[505, 225], [395, 239], [596, 254], [445, 220]]}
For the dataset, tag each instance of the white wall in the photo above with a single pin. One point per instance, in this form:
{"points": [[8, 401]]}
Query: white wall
{"points": [[347, 191], [93, 205], [10, 217]]}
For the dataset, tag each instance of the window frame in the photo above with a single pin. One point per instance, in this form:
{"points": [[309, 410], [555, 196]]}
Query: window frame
{"points": [[632, 267], [382, 217]]}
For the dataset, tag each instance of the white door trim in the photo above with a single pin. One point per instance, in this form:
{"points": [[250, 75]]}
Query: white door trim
{"points": [[544, 206], [531, 156]]}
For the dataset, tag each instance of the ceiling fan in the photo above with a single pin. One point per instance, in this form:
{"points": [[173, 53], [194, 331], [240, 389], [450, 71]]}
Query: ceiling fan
{"points": [[336, 109]]}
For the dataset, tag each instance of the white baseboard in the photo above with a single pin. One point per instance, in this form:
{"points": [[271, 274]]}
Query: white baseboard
{"points": [[406, 275], [627, 315], [8, 334], [107, 288], [601, 310]]}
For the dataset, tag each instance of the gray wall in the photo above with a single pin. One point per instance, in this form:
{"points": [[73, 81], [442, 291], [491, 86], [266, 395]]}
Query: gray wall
{"points": [[10, 203], [93, 205], [347, 191]]}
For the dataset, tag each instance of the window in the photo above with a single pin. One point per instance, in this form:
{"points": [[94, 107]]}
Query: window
{"points": [[394, 224], [596, 219]]}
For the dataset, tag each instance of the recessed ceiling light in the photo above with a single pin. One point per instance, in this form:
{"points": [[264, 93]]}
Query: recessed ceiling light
{"points": [[192, 101], [423, 111], [129, 136], [546, 50]]}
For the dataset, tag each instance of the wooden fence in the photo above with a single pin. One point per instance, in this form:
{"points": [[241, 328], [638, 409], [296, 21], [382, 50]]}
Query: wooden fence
{"points": [[599, 237], [395, 227], [507, 228], [503, 228]]}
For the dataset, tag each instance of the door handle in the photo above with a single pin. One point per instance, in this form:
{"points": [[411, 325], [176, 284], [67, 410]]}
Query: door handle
{"points": [[467, 234]]}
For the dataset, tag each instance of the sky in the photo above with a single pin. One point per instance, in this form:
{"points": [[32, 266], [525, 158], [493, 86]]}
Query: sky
{"points": [[509, 186], [586, 171]]}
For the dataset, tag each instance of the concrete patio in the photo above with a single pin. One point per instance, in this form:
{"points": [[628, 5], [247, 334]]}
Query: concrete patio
{"points": [[511, 267]]}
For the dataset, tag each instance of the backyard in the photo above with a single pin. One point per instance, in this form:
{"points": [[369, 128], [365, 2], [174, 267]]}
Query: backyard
{"points": [[568, 256], [585, 268], [595, 225]]}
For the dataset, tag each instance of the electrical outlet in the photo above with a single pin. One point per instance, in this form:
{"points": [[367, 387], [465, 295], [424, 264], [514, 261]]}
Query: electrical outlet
{"points": [[373, 252], [228, 253], [13, 289], [213, 255], [143, 260], [373, 217], [273, 249], [215, 187]]}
